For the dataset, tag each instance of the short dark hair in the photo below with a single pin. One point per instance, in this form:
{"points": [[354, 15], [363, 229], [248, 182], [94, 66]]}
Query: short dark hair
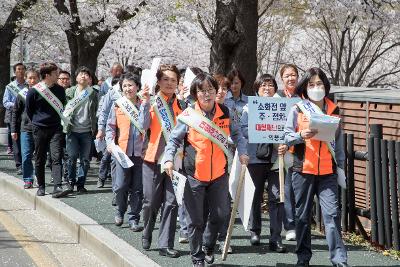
{"points": [[64, 72], [236, 73], [166, 67], [301, 88], [18, 64], [84, 70], [47, 68], [222, 80], [264, 78], [197, 83], [32, 70], [288, 66], [132, 77]]}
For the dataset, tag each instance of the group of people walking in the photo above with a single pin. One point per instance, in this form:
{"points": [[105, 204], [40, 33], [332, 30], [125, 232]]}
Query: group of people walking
{"points": [[193, 131]]}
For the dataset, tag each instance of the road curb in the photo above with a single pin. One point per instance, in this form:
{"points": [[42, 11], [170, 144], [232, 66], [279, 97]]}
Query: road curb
{"points": [[109, 248]]}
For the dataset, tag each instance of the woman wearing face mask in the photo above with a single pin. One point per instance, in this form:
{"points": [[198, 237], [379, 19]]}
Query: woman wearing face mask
{"points": [[314, 168], [262, 157]]}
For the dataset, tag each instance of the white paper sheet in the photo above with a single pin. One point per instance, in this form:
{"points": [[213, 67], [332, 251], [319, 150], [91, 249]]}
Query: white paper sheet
{"points": [[247, 193], [120, 156], [100, 145], [341, 177], [326, 126], [187, 82], [148, 78], [178, 183]]}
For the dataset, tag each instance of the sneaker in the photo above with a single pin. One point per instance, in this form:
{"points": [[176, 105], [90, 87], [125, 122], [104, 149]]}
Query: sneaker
{"points": [[81, 190], [209, 257], [28, 185], [135, 227], [183, 238], [40, 192], [118, 221], [221, 247], [35, 183], [290, 235], [60, 192], [100, 183]]}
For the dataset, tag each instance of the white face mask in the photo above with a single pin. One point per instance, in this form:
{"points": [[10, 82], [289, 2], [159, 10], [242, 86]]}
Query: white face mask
{"points": [[316, 93]]}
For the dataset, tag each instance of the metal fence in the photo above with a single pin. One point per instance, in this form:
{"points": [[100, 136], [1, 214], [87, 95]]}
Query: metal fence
{"points": [[383, 171]]}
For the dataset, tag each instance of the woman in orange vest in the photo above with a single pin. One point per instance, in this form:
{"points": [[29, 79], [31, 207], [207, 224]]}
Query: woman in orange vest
{"points": [[203, 130], [315, 168], [122, 131], [157, 186]]}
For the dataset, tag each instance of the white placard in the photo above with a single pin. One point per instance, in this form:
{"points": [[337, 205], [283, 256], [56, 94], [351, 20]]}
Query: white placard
{"points": [[247, 193], [178, 183], [268, 118], [120, 156], [100, 145], [187, 82], [326, 126]]}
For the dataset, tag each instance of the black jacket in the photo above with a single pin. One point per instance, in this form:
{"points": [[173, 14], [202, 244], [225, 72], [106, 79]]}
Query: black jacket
{"points": [[40, 112], [19, 119]]}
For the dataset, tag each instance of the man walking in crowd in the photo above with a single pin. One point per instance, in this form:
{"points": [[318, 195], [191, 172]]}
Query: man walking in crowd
{"points": [[81, 110], [64, 79], [44, 107], [10, 94]]}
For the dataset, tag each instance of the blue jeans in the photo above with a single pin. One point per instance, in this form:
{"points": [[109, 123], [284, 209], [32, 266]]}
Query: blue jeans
{"points": [[27, 148], [78, 144]]}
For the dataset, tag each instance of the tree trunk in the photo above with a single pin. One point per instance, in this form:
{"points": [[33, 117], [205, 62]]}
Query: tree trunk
{"points": [[8, 32], [234, 42]]}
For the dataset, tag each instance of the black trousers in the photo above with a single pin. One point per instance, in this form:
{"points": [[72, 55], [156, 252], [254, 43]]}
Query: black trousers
{"points": [[45, 138]]}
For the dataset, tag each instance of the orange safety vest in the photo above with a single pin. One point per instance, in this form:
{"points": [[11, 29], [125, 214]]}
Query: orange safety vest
{"points": [[313, 156], [156, 132], [203, 159], [123, 125]]}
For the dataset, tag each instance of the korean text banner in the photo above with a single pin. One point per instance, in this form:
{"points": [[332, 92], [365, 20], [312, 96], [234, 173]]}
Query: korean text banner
{"points": [[267, 118]]}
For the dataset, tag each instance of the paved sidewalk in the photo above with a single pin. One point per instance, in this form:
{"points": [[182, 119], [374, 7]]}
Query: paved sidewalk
{"points": [[97, 205]]}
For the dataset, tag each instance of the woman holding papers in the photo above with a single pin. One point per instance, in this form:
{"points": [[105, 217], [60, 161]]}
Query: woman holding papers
{"points": [[262, 158], [314, 168], [157, 186], [124, 129], [203, 130]]}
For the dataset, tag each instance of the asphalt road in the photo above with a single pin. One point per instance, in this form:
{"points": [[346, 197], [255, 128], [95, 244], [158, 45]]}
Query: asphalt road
{"points": [[97, 205]]}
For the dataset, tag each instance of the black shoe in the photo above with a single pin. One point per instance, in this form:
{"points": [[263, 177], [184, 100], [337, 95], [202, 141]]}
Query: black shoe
{"points": [[209, 257], [40, 192], [81, 190], [60, 192], [302, 264], [254, 239], [114, 201], [70, 186], [135, 227], [146, 243], [341, 264], [168, 252], [198, 264], [19, 171], [118, 220], [277, 246], [100, 183]]}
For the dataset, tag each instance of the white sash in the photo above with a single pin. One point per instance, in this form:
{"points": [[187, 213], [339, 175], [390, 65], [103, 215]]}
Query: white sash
{"points": [[307, 107], [131, 111], [23, 93], [77, 101], [14, 89], [164, 116], [44, 91], [207, 128]]}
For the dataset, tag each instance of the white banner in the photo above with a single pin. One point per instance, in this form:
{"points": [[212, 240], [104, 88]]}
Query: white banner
{"points": [[247, 193], [178, 183], [268, 118], [120, 156]]}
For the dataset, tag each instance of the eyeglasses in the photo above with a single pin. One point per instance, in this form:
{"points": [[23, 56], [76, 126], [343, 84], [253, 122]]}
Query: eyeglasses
{"points": [[209, 91], [64, 79]]}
